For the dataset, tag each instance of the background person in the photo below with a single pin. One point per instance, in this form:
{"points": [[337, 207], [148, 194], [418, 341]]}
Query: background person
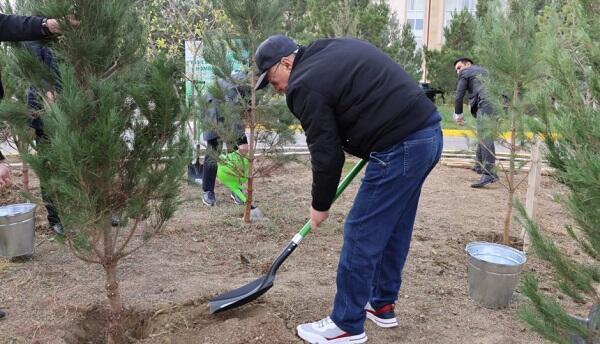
{"points": [[469, 82]]}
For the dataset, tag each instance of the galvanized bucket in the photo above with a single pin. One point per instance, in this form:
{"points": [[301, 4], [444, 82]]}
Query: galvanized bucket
{"points": [[17, 224], [493, 273]]}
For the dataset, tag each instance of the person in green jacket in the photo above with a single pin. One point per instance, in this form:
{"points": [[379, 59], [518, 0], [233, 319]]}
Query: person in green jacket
{"points": [[232, 172]]}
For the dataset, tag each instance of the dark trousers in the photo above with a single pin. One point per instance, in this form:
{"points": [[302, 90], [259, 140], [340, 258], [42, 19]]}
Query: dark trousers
{"points": [[378, 229], [53, 218], [41, 139], [209, 174], [486, 151]]}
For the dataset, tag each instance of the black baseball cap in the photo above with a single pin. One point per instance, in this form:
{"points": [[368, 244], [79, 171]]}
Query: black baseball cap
{"points": [[462, 58], [269, 53]]}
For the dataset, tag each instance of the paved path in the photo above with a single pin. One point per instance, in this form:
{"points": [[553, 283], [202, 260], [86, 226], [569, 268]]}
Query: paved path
{"points": [[454, 140]]}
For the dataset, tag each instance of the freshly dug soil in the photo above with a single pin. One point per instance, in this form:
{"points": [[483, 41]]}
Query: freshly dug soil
{"points": [[203, 251]]}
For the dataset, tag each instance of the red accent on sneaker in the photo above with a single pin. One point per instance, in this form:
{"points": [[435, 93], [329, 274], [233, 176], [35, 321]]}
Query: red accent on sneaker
{"points": [[345, 334], [384, 309]]}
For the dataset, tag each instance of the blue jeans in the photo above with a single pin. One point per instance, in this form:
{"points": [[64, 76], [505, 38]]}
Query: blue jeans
{"points": [[379, 227]]}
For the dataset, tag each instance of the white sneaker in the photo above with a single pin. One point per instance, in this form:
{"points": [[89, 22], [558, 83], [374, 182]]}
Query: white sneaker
{"points": [[326, 331], [382, 317]]}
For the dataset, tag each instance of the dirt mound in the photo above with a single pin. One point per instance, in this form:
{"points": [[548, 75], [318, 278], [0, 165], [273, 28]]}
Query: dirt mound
{"points": [[206, 251], [90, 327], [185, 323]]}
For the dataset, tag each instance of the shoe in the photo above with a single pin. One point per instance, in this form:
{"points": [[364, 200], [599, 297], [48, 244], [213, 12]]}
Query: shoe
{"points": [[208, 198], [58, 229], [115, 221], [485, 180], [382, 317], [236, 199], [326, 331], [2, 314]]}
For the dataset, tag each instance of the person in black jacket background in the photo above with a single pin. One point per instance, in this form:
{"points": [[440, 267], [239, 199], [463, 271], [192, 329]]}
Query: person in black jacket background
{"points": [[50, 90], [350, 96], [469, 82], [21, 28]]}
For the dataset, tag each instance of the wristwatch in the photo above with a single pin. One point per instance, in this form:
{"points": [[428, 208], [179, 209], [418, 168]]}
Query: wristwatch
{"points": [[45, 29]]}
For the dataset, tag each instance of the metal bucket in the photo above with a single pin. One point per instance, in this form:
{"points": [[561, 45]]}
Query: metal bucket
{"points": [[493, 273], [17, 224]]}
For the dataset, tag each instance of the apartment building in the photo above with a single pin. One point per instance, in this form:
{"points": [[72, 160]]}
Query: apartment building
{"points": [[427, 18]]}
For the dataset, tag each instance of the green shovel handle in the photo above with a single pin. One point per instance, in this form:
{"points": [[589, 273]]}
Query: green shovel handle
{"points": [[341, 187]]}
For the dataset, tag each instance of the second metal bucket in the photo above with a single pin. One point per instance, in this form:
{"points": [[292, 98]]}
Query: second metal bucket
{"points": [[493, 271], [17, 224]]}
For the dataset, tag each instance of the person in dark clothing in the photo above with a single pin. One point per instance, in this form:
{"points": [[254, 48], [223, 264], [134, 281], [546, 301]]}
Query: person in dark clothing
{"points": [[350, 96], [15, 28], [20, 28], [212, 120], [50, 89], [469, 82]]}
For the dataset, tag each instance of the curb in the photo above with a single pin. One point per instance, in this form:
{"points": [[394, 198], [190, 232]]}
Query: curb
{"points": [[458, 133], [472, 134]]}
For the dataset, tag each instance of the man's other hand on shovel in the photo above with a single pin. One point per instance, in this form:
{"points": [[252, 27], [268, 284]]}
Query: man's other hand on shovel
{"points": [[316, 217]]}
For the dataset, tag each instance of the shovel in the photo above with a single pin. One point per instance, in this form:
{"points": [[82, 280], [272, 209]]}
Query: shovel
{"points": [[252, 290]]}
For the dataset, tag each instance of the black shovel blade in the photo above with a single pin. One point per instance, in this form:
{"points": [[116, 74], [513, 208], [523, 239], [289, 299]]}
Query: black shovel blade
{"points": [[241, 295], [252, 290]]}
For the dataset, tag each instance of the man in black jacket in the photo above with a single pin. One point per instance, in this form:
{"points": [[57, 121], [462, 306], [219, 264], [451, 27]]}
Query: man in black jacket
{"points": [[19, 28], [349, 96], [469, 81]]}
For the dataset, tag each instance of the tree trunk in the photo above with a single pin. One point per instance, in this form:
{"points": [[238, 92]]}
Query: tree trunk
{"points": [[250, 184], [511, 169], [25, 172], [115, 333], [508, 218], [248, 208], [251, 151]]}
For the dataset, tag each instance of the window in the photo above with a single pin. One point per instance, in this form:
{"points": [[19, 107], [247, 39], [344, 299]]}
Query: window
{"points": [[453, 6], [415, 17], [416, 5]]}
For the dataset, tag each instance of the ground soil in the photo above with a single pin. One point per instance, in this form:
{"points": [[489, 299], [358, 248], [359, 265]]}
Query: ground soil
{"points": [[202, 252]]}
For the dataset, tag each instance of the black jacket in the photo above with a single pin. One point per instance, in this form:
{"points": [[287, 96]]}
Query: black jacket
{"points": [[469, 81], [211, 117], [349, 95], [18, 28]]}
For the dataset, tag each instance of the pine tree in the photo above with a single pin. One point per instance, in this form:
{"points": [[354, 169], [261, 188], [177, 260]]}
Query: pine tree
{"points": [[265, 116], [568, 99], [372, 21], [459, 40], [482, 7], [514, 68], [404, 50], [113, 159]]}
